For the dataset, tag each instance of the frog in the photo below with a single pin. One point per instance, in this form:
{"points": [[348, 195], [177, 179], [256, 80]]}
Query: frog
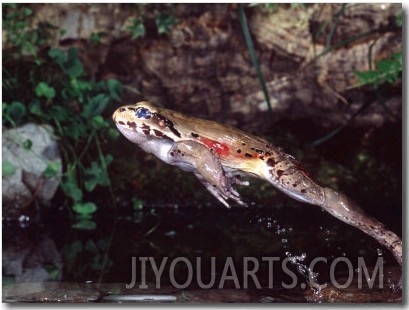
{"points": [[220, 155]]}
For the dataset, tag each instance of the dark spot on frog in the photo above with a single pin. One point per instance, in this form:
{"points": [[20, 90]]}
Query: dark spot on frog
{"points": [[131, 125], [261, 157], [194, 135], [164, 122], [146, 129], [121, 123], [303, 191], [122, 110], [239, 151], [243, 143], [271, 162], [280, 173], [248, 155], [158, 133], [172, 154]]}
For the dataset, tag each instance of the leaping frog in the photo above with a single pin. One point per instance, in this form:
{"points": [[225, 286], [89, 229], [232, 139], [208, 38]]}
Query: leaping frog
{"points": [[219, 154]]}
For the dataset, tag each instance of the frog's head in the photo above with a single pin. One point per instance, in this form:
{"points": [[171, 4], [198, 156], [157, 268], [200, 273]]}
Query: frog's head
{"points": [[142, 121]]}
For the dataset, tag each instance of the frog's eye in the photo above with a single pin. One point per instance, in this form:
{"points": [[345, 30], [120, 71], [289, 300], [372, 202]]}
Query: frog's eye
{"points": [[143, 113]]}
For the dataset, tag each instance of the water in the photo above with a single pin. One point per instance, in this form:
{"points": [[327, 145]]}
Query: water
{"points": [[169, 253]]}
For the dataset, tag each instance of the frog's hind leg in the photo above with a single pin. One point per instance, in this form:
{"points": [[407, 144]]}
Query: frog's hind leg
{"points": [[222, 195]]}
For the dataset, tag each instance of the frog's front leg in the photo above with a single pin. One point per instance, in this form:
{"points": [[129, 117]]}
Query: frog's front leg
{"points": [[197, 158]]}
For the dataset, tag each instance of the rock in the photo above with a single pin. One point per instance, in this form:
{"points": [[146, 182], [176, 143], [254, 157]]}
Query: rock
{"points": [[26, 257], [28, 150], [50, 292], [308, 55]]}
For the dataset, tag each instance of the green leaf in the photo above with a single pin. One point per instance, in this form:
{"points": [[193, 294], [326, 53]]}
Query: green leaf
{"points": [[27, 12], [52, 169], [72, 190], [84, 224], [164, 22], [96, 37], [69, 62], [35, 108], [95, 105], [16, 111], [98, 122], [54, 272], [8, 280], [387, 70], [27, 144], [91, 246], [58, 113], [73, 65], [84, 208], [115, 89], [95, 175], [77, 130], [113, 133], [79, 90], [137, 29], [366, 77], [7, 168], [44, 90], [108, 159], [58, 55], [75, 69]]}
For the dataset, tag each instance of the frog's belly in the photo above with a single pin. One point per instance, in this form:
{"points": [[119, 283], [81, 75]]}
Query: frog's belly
{"points": [[163, 151], [160, 150]]}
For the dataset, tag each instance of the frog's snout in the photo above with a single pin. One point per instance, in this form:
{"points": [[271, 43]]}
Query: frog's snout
{"points": [[116, 115]]}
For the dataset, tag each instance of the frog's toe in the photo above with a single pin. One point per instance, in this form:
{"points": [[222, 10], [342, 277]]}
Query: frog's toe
{"points": [[223, 191], [221, 197], [234, 178], [234, 195]]}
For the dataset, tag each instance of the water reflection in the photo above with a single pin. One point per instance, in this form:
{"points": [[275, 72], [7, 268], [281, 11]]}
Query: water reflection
{"points": [[102, 257]]}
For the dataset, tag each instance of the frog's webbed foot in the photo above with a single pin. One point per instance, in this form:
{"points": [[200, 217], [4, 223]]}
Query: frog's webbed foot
{"points": [[224, 191]]}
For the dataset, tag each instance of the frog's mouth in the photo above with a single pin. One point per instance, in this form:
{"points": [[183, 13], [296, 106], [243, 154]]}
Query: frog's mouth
{"points": [[131, 130]]}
